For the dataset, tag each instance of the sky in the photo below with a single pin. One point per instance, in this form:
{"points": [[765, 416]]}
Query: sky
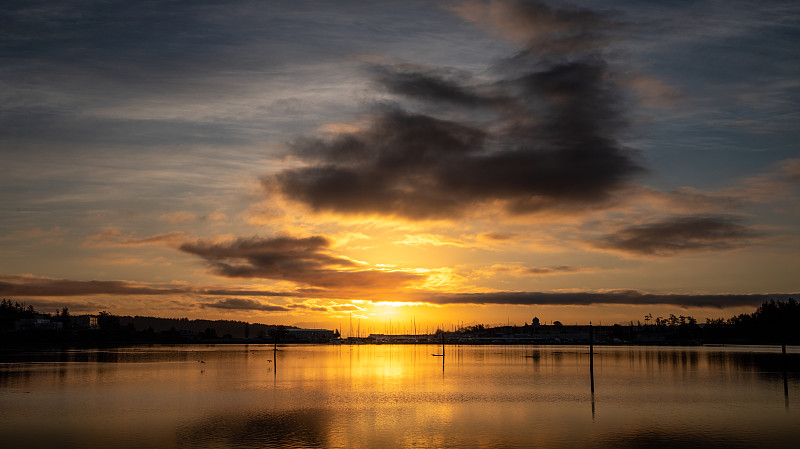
{"points": [[402, 165]]}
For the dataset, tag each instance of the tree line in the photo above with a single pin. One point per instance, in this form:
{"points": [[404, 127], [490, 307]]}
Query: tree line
{"points": [[773, 322]]}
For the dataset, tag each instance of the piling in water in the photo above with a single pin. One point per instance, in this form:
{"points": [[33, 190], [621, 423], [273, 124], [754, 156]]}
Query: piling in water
{"points": [[591, 357]]}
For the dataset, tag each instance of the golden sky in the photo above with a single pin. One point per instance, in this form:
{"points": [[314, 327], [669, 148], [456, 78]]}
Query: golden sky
{"points": [[412, 163]]}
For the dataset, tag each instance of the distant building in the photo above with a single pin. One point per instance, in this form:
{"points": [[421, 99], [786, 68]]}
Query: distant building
{"points": [[39, 322], [309, 335], [396, 338], [535, 321], [83, 321]]}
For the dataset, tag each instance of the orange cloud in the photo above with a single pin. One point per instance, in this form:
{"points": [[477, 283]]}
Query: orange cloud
{"points": [[542, 28], [36, 233], [216, 216], [178, 217]]}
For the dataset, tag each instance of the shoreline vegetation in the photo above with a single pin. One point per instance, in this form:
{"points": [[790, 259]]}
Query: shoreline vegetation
{"points": [[21, 326]]}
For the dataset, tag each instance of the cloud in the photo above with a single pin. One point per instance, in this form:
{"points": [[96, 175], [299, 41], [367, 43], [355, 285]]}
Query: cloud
{"points": [[519, 270], [542, 28], [244, 304], [313, 308], [32, 286], [778, 184], [683, 234], [302, 260], [113, 237], [434, 85], [790, 169], [346, 308], [653, 92], [496, 236], [123, 259], [626, 297], [217, 215], [429, 239], [178, 217], [239, 292], [11, 285], [43, 305], [544, 133], [36, 232]]}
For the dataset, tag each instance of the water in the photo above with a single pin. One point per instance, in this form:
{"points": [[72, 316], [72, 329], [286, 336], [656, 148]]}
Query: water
{"points": [[400, 396]]}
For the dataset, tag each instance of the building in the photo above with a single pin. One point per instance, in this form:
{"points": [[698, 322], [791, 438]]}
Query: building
{"points": [[39, 322], [309, 335], [83, 321]]}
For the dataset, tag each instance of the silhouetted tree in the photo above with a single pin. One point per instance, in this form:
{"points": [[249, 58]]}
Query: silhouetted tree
{"points": [[208, 334], [65, 319], [12, 311], [280, 333], [107, 322], [775, 322]]}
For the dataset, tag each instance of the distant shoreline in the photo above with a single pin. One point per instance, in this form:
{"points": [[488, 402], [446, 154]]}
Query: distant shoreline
{"points": [[111, 345]]}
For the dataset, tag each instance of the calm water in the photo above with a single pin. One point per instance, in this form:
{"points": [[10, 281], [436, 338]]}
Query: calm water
{"points": [[400, 396]]}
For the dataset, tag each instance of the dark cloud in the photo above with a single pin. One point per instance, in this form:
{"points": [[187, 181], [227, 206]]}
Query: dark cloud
{"points": [[44, 305], [543, 134], [307, 307], [397, 167], [433, 86], [685, 234], [498, 236], [245, 304], [31, 286], [232, 292], [553, 270], [302, 260], [36, 286], [115, 238], [626, 297], [266, 256], [519, 270]]}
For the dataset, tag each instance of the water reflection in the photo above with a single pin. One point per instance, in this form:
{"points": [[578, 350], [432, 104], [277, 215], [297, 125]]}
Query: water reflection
{"points": [[291, 428], [392, 395], [657, 437]]}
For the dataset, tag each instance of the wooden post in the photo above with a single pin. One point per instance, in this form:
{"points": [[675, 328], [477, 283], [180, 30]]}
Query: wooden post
{"points": [[591, 356], [785, 375]]}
